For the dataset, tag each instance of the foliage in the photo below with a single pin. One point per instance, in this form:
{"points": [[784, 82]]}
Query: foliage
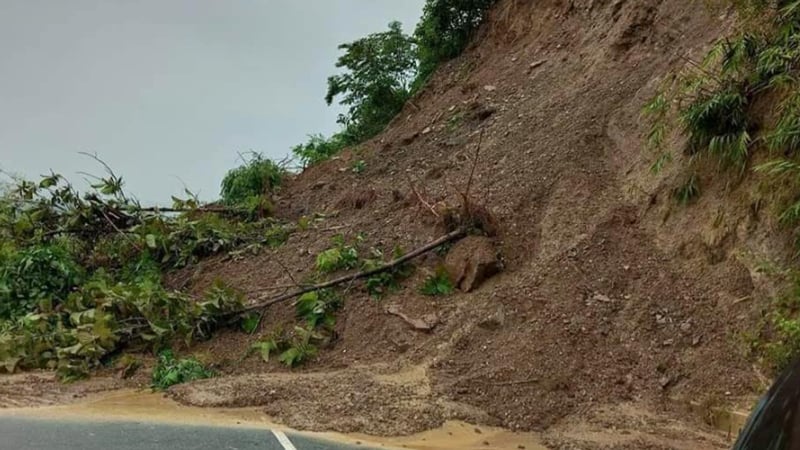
{"points": [[444, 30], [318, 148], [358, 167], [82, 274], [252, 184], [301, 348], [46, 273], [103, 317], [249, 323], [341, 256], [170, 371], [687, 191], [374, 86], [318, 308], [384, 282], [382, 70], [720, 104], [438, 284], [715, 100], [265, 348]]}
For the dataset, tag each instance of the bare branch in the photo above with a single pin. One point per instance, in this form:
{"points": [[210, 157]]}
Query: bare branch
{"points": [[452, 236]]}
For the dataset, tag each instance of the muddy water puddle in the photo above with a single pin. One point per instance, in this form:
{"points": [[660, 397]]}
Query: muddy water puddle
{"points": [[145, 406]]}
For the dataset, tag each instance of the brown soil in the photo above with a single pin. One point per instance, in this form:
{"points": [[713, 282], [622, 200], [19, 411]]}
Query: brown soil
{"points": [[610, 294]]}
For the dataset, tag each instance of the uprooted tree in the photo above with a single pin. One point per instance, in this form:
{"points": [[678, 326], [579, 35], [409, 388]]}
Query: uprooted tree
{"points": [[81, 272]]}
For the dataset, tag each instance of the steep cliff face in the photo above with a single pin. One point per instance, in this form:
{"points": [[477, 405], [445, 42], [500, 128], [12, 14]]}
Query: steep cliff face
{"points": [[610, 293]]}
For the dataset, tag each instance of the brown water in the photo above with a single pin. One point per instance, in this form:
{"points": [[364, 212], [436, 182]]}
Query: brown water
{"points": [[132, 405]]}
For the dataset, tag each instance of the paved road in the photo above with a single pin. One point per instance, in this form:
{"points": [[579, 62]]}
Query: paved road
{"points": [[33, 434]]}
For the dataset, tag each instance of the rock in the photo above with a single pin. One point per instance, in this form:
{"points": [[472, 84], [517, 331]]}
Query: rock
{"points": [[686, 326], [494, 321], [427, 323], [489, 88], [536, 64], [601, 298], [471, 261], [427, 130], [664, 382]]}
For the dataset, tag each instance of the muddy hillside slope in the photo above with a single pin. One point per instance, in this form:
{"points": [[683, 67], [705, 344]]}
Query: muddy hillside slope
{"points": [[609, 293]]}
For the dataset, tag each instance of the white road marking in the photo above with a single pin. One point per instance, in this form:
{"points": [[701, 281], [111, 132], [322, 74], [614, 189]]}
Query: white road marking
{"points": [[284, 440]]}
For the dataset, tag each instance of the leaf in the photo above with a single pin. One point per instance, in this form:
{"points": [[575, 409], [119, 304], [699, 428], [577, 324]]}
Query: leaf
{"points": [[250, 323], [150, 239]]}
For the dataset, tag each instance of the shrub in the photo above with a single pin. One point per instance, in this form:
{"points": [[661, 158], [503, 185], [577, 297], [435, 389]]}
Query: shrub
{"points": [[438, 284], [33, 275], [317, 308], [318, 148], [301, 348], [382, 283], [170, 371], [251, 185], [339, 257]]}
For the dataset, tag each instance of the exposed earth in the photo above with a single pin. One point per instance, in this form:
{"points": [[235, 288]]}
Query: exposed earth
{"points": [[614, 307]]}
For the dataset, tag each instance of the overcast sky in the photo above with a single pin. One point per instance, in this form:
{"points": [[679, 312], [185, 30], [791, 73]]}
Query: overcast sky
{"points": [[169, 91]]}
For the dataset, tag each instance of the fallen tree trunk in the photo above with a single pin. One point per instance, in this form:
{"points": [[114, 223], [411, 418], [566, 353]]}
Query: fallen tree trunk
{"points": [[455, 235]]}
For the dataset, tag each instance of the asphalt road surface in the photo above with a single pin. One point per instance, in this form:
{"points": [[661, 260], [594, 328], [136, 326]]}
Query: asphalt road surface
{"points": [[34, 434]]}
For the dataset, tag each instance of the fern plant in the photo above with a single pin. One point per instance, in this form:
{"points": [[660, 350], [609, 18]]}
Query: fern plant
{"points": [[301, 348]]}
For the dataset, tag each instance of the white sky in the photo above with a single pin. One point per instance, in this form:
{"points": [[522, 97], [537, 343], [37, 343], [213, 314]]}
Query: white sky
{"points": [[169, 91]]}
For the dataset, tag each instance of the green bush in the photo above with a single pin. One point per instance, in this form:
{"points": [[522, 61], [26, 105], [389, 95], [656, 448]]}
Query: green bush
{"points": [[438, 284], [385, 282], [341, 256], [33, 275], [318, 148], [317, 308], [170, 371], [445, 30], [252, 184], [301, 348]]}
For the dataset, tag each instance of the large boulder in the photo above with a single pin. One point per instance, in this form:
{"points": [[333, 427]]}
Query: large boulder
{"points": [[471, 261]]}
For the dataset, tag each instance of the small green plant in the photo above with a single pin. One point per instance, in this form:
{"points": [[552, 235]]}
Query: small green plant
{"points": [[382, 283], [358, 167], [303, 223], [170, 371], [444, 249], [265, 348], [687, 191], [341, 256], [249, 323], [277, 235], [318, 308], [438, 284], [455, 121], [301, 348], [252, 184]]}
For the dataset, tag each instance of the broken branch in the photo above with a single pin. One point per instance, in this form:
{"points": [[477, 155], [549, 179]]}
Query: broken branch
{"points": [[455, 235]]}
